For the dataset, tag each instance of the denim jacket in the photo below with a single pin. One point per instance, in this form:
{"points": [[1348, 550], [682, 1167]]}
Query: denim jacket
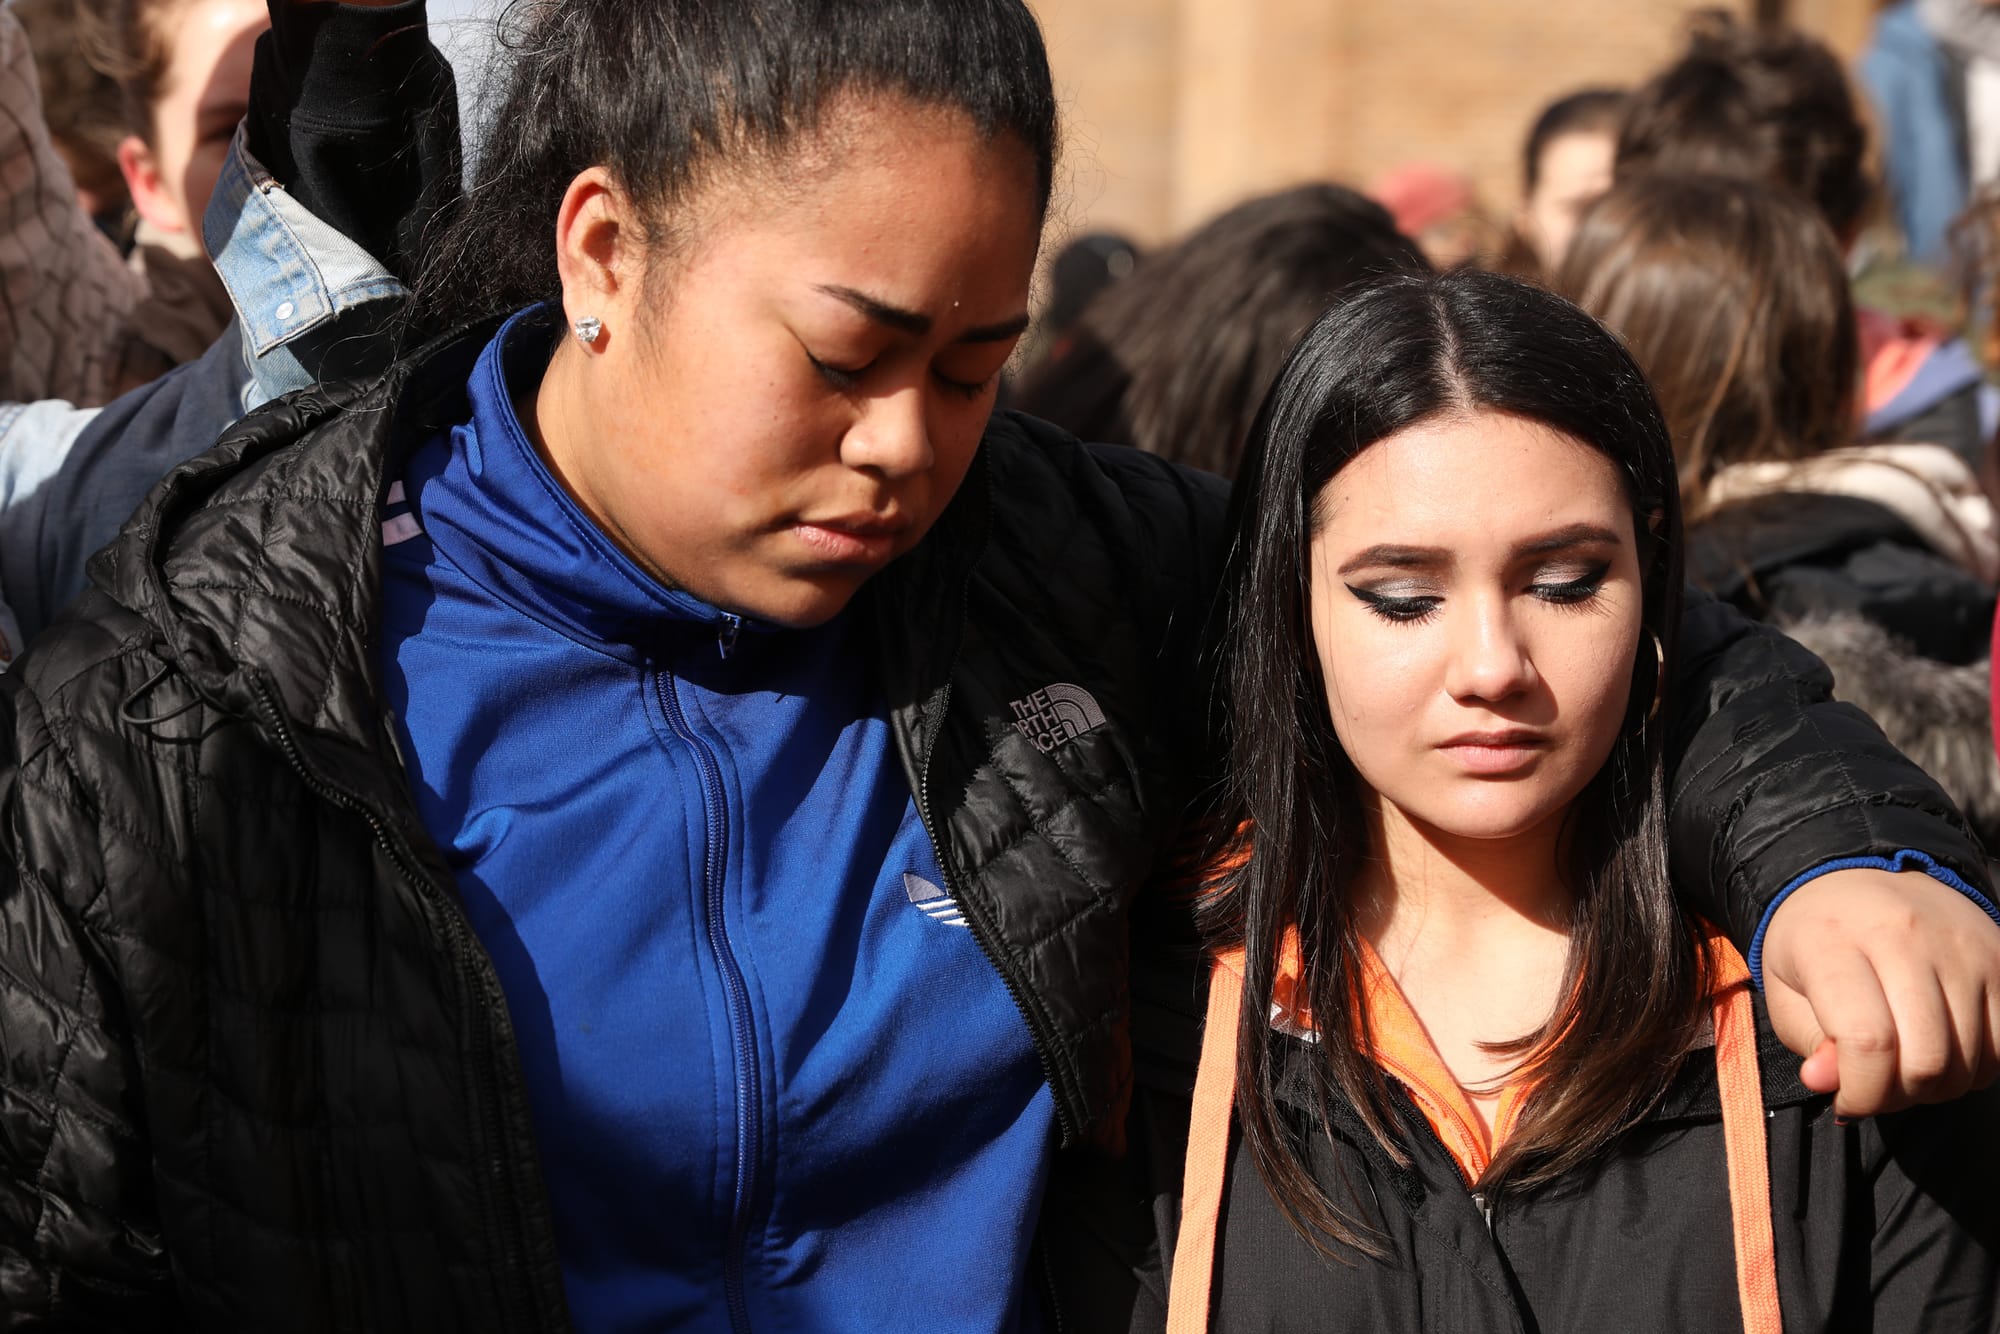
{"points": [[305, 299]]}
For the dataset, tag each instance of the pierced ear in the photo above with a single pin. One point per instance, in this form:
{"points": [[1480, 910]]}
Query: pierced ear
{"points": [[596, 252], [148, 187]]}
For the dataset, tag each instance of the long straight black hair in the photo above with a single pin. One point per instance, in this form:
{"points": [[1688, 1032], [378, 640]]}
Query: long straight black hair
{"points": [[1394, 353]]}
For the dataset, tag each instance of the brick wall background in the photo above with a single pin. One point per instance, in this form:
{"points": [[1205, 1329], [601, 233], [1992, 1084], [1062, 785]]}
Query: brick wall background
{"points": [[1177, 108]]}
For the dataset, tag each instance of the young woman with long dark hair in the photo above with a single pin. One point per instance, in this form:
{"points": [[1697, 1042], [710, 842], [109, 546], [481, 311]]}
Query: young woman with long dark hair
{"points": [[631, 820], [1490, 1072]]}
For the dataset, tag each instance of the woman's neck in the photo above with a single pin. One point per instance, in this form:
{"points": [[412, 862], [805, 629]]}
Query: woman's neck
{"points": [[1475, 932]]}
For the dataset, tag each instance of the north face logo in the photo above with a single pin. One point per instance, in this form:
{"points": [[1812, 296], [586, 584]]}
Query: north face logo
{"points": [[1055, 715]]}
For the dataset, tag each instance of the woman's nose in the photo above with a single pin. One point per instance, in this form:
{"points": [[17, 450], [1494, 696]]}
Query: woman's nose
{"points": [[892, 436], [1489, 657]]}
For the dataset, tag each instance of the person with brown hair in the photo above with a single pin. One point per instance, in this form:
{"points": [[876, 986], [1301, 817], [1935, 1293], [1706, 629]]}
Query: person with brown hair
{"points": [[1768, 103], [1565, 164], [81, 105], [1882, 558], [1176, 357], [1775, 105], [1736, 303], [183, 71], [81, 323]]}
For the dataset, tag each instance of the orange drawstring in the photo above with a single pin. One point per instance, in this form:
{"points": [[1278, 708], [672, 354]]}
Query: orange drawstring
{"points": [[1207, 1172], [1743, 1138]]}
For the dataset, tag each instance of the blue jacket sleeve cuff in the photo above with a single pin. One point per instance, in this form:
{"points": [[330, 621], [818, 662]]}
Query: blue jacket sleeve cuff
{"points": [[1906, 860]]}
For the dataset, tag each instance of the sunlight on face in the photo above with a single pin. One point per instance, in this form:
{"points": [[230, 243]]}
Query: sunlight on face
{"points": [[1476, 605], [806, 401], [201, 98]]}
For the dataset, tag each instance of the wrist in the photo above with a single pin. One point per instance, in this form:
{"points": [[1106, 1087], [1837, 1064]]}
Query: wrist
{"points": [[1907, 861]]}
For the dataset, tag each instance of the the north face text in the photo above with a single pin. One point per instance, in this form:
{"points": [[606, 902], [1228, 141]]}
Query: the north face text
{"points": [[1057, 714]]}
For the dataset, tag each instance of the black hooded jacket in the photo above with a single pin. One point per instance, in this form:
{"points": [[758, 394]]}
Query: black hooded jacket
{"points": [[257, 1073], [1890, 1223]]}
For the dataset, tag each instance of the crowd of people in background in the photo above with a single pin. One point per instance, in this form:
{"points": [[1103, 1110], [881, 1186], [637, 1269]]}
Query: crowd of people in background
{"points": [[586, 747], [1836, 460]]}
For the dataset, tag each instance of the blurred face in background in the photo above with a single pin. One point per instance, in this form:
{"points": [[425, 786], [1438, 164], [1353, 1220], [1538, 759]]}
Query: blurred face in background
{"points": [[202, 94], [1574, 169]]}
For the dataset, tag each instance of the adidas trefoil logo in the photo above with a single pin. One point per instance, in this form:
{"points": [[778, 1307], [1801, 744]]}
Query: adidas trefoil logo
{"points": [[1056, 714], [932, 901]]}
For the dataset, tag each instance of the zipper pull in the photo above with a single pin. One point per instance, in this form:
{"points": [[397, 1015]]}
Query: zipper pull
{"points": [[725, 638]]}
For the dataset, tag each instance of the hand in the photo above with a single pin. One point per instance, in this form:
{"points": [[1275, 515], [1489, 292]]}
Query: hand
{"points": [[1890, 983]]}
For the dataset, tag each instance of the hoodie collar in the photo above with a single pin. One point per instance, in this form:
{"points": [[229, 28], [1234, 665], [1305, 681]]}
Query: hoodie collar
{"points": [[490, 504], [1926, 486]]}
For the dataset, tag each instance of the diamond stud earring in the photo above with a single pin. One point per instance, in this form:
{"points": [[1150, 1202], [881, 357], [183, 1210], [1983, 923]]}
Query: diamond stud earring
{"points": [[587, 329]]}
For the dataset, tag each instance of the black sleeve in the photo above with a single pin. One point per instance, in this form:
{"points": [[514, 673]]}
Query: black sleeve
{"points": [[48, 538], [355, 113], [1935, 1259], [1770, 778], [81, 1247]]}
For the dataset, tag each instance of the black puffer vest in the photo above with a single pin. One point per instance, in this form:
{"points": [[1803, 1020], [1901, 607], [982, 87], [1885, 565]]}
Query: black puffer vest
{"points": [[260, 1072]]}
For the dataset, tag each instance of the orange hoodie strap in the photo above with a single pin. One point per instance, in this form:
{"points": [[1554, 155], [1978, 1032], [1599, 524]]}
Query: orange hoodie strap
{"points": [[1743, 1140], [1207, 1174], [1743, 1135]]}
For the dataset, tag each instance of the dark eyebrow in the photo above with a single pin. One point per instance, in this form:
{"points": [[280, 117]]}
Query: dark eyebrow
{"points": [[1562, 539], [1395, 557], [1392, 556], [918, 324]]}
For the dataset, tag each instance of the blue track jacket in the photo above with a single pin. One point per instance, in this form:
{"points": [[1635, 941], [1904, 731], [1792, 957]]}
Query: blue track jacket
{"points": [[775, 1082]]}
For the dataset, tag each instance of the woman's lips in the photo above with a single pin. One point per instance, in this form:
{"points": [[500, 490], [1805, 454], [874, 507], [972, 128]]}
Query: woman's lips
{"points": [[844, 543], [1491, 754]]}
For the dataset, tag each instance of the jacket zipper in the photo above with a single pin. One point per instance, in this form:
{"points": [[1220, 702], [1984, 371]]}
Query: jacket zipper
{"points": [[1485, 1208], [473, 967], [975, 913], [748, 1085], [1480, 1200]]}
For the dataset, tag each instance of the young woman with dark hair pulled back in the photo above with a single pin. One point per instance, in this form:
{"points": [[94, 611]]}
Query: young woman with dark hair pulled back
{"points": [[1487, 1070], [632, 820]]}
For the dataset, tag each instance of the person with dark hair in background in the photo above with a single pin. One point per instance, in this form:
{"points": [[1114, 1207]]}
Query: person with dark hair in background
{"points": [[1775, 105], [1487, 1072], [1880, 558], [1565, 164], [1176, 358], [1078, 275], [636, 814]]}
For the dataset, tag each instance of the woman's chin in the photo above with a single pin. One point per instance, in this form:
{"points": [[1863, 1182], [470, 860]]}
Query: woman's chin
{"points": [[1494, 814]]}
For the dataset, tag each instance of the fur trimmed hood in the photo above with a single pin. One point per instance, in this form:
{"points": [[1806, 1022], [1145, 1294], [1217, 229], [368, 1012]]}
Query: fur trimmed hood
{"points": [[1938, 714]]}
